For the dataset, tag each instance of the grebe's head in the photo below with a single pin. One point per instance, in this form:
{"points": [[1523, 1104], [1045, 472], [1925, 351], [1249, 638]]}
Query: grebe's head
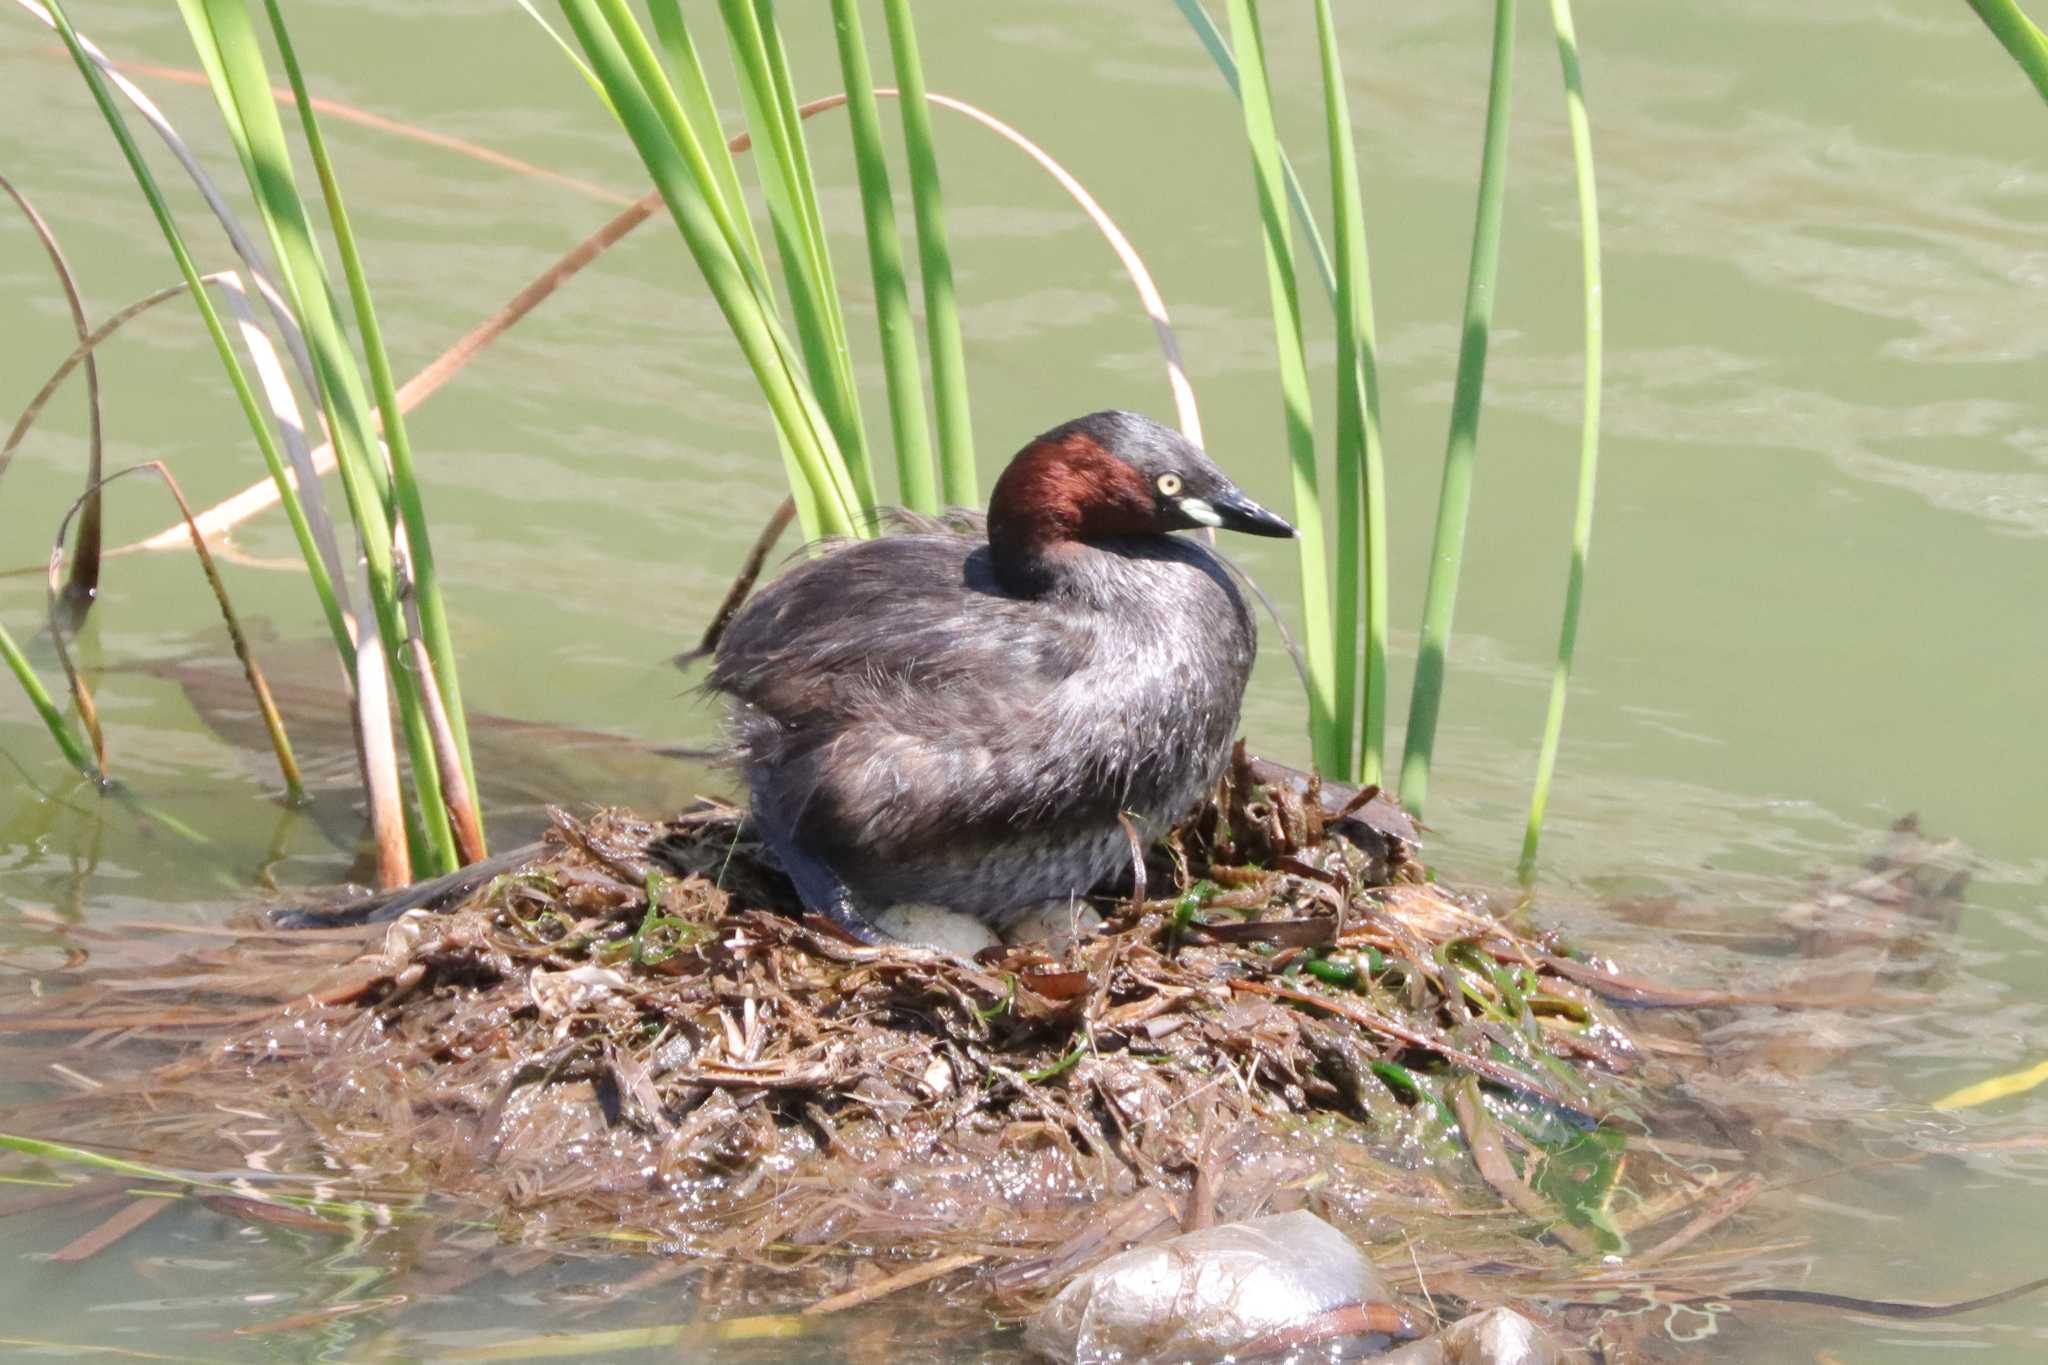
{"points": [[1111, 474]]}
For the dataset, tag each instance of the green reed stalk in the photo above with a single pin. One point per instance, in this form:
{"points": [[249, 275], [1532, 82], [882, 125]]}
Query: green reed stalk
{"points": [[426, 579], [1589, 440], [768, 98], [60, 729], [1361, 471], [693, 92], [1454, 503], [916, 486], [1260, 132], [859, 463], [568, 49], [700, 112], [245, 394], [935, 262], [646, 104], [233, 58], [2021, 37], [1219, 53]]}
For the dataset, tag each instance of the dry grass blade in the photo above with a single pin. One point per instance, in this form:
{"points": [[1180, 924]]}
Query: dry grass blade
{"points": [[278, 395], [314, 1317], [290, 425], [1186, 414], [231, 512], [1719, 1210], [411, 132], [85, 570], [274, 723], [902, 1279], [82, 354]]}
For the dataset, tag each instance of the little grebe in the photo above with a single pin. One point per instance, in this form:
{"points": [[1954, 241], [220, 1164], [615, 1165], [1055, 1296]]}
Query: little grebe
{"points": [[948, 718]]}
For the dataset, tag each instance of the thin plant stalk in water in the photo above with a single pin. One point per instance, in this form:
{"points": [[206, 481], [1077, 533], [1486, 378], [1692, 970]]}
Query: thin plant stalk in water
{"points": [[1262, 136], [1589, 441], [2021, 37], [1361, 471], [1454, 502]]}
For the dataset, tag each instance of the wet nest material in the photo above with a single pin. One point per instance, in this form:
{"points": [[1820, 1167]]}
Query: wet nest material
{"points": [[632, 1039], [632, 1030]]}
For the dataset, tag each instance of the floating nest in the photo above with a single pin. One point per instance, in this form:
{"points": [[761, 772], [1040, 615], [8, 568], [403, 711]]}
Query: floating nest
{"points": [[632, 1031], [634, 1035]]}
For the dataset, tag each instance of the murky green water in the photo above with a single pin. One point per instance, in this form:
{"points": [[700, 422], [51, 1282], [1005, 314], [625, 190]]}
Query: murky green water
{"points": [[1818, 583]]}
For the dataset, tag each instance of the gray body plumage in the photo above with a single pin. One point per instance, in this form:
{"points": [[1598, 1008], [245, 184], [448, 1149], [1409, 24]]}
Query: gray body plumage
{"points": [[929, 736]]}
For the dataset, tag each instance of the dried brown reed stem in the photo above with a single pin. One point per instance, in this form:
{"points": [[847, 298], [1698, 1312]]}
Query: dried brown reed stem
{"points": [[1483, 1139], [455, 792], [377, 756], [742, 583], [85, 572], [412, 132], [273, 723]]}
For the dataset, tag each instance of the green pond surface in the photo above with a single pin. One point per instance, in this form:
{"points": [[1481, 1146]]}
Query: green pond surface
{"points": [[1818, 595]]}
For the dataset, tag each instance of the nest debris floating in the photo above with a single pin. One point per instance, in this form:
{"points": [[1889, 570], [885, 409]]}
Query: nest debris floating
{"points": [[632, 1036], [623, 1032]]}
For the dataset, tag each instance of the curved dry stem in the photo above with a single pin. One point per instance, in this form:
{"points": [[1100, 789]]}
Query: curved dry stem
{"points": [[85, 569], [742, 584], [82, 354], [411, 132], [278, 393], [1185, 411], [226, 515], [259, 265], [280, 742], [463, 815]]}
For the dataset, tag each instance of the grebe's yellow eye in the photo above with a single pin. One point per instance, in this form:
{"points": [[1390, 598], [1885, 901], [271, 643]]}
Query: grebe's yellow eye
{"points": [[1169, 484]]}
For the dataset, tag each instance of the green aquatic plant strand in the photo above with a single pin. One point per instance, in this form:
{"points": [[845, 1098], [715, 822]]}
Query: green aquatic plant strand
{"points": [[783, 162], [1361, 472], [693, 93], [1219, 53], [420, 565], [948, 353], [646, 104], [1589, 437], [226, 42], [2021, 37], [68, 742], [1256, 99], [700, 112], [1454, 503], [917, 487]]}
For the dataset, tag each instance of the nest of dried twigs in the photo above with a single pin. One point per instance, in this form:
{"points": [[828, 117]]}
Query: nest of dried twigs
{"points": [[623, 1033], [631, 1037]]}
